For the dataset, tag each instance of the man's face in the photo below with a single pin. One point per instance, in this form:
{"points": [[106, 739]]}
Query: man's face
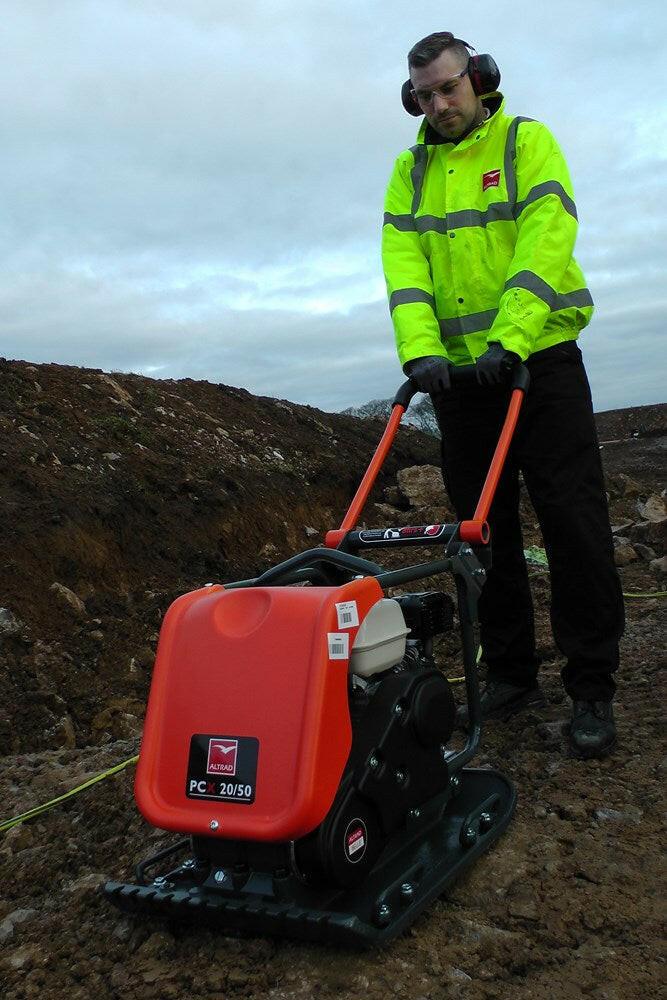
{"points": [[453, 108]]}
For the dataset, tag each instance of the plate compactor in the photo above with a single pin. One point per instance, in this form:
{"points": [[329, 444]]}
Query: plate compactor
{"points": [[297, 735]]}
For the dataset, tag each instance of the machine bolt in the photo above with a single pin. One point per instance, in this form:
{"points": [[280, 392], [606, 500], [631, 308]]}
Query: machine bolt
{"points": [[466, 550], [485, 821], [382, 915], [189, 864], [468, 836], [162, 884], [400, 777], [398, 709], [479, 571], [407, 892], [415, 813], [455, 785], [373, 762], [220, 875], [214, 824]]}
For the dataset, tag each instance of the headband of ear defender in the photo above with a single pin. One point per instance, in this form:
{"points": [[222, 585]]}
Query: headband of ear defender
{"points": [[484, 77]]}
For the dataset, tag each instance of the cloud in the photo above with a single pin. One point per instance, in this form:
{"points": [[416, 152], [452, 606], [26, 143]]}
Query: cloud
{"points": [[196, 189]]}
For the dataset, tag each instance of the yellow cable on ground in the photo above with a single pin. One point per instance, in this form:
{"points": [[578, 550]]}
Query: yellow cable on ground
{"points": [[9, 823], [460, 680]]}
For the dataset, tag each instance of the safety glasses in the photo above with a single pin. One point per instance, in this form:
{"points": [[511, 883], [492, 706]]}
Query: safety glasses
{"points": [[445, 89]]}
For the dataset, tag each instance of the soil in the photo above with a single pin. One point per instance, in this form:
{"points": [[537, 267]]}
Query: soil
{"points": [[125, 492]]}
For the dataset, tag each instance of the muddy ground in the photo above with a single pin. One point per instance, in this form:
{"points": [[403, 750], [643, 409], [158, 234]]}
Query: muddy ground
{"points": [[124, 492]]}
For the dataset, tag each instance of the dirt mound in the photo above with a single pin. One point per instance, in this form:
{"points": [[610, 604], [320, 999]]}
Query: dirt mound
{"points": [[633, 422], [119, 493]]}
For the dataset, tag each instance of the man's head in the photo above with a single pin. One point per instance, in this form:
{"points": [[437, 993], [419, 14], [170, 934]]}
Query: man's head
{"points": [[438, 71]]}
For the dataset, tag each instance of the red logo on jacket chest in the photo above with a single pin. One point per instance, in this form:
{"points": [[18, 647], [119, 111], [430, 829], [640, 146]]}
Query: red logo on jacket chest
{"points": [[491, 179]]}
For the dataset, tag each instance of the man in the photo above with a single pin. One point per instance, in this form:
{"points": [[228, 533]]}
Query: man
{"points": [[478, 240]]}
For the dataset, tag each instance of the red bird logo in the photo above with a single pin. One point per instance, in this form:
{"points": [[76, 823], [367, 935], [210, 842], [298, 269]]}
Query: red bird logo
{"points": [[222, 756], [491, 179]]}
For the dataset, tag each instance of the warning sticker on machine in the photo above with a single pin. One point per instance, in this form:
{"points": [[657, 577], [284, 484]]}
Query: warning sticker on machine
{"points": [[348, 614], [339, 645], [355, 840], [222, 767]]}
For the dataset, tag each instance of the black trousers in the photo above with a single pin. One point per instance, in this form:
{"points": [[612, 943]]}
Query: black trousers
{"points": [[556, 448]]}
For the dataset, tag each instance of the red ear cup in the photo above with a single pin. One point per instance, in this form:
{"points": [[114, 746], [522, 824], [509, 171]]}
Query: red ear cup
{"points": [[410, 102], [484, 74]]}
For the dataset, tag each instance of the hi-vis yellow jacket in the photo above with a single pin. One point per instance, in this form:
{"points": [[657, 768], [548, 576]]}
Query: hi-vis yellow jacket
{"points": [[477, 243]]}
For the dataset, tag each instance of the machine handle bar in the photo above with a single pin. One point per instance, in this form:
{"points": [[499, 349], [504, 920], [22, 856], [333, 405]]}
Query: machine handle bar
{"points": [[475, 531], [461, 375], [402, 537]]}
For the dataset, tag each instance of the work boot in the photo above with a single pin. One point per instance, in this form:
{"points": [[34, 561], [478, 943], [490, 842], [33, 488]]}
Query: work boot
{"points": [[501, 700], [592, 730]]}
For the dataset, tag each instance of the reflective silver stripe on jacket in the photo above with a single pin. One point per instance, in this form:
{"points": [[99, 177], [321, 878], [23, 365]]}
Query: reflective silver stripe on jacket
{"points": [[472, 323], [510, 157], [404, 223], [477, 322], [532, 282], [498, 211], [540, 190], [420, 153], [404, 296], [472, 217]]}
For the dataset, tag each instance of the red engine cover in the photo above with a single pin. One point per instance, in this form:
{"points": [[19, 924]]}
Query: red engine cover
{"points": [[248, 723]]}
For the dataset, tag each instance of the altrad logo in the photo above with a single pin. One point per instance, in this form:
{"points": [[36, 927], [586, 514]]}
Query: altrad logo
{"points": [[222, 756]]}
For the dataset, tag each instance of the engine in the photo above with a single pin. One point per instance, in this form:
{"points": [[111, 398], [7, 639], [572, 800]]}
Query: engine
{"points": [[402, 713]]}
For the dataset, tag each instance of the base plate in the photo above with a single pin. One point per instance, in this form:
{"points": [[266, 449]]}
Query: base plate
{"points": [[439, 842]]}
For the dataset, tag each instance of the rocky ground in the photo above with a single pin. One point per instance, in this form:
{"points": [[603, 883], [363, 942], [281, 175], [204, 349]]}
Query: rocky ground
{"points": [[117, 493]]}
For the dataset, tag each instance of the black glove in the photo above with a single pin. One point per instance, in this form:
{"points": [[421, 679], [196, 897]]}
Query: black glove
{"points": [[429, 374], [494, 366]]}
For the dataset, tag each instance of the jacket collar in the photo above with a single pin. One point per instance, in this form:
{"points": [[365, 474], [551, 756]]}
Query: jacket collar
{"points": [[428, 135]]}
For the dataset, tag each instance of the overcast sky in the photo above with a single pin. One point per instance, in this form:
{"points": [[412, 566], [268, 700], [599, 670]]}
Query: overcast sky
{"points": [[194, 188]]}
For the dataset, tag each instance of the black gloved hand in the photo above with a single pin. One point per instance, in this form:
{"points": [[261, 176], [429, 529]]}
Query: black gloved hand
{"points": [[495, 365], [429, 374]]}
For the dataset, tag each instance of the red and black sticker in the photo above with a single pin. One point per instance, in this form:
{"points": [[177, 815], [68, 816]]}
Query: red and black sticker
{"points": [[222, 768], [355, 840], [417, 531]]}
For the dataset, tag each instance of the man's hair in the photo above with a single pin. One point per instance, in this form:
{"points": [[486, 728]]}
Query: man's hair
{"points": [[429, 48]]}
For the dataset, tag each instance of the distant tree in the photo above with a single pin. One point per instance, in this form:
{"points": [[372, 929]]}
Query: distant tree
{"points": [[375, 408], [420, 413]]}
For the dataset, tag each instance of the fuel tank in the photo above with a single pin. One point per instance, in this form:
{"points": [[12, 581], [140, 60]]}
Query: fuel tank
{"points": [[247, 730]]}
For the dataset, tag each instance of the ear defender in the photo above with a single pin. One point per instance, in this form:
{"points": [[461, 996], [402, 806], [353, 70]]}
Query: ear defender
{"points": [[484, 77], [484, 74], [410, 102]]}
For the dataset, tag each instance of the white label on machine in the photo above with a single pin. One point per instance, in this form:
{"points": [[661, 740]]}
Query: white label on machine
{"points": [[348, 614], [355, 841], [339, 645]]}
